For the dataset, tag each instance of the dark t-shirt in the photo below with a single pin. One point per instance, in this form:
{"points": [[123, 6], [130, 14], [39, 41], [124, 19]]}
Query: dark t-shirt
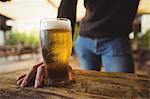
{"points": [[104, 18]]}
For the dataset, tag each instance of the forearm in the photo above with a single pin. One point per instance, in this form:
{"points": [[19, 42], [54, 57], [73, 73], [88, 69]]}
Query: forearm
{"points": [[67, 9]]}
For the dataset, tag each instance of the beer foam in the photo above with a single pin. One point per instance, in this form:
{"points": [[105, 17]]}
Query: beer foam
{"points": [[55, 24]]}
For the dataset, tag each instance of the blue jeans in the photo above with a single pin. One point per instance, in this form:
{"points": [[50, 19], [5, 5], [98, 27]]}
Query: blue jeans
{"points": [[113, 53]]}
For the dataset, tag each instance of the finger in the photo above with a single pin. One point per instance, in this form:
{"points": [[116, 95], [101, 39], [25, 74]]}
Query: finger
{"points": [[20, 76], [30, 76], [71, 74], [39, 64], [20, 81], [39, 76]]}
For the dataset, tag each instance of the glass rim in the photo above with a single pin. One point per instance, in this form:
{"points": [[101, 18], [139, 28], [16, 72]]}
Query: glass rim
{"points": [[49, 23], [49, 19]]}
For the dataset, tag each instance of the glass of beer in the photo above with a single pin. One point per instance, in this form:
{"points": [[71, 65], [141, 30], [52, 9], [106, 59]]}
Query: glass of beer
{"points": [[56, 44]]}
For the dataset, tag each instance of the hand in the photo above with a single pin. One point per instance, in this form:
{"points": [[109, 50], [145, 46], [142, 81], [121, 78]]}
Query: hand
{"points": [[35, 76]]}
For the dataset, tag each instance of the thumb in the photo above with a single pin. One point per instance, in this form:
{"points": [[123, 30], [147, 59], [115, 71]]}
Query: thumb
{"points": [[39, 76]]}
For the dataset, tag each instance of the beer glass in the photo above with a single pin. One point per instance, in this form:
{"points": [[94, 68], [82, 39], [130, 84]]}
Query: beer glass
{"points": [[56, 44]]}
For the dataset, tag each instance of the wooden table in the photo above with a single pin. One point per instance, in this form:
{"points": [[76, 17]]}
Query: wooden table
{"points": [[89, 85]]}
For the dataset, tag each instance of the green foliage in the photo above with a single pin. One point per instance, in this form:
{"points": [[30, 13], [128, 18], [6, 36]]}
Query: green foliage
{"points": [[144, 41], [30, 39]]}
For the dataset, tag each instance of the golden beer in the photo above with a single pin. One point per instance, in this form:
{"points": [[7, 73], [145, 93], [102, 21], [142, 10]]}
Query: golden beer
{"points": [[56, 43]]}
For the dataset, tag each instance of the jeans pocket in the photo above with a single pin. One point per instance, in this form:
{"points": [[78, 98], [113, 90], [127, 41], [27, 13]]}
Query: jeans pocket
{"points": [[121, 46]]}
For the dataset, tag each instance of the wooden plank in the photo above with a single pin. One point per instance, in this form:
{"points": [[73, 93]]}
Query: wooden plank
{"points": [[114, 74], [111, 87], [140, 85], [115, 80], [89, 84], [111, 90], [10, 78], [16, 92]]}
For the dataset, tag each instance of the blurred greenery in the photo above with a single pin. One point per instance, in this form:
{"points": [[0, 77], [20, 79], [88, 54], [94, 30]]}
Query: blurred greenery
{"points": [[30, 39], [144, 41]]}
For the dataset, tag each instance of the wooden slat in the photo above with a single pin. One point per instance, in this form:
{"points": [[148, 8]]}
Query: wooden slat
{"points": [[89, 85], [16, 92], [115, 74]]}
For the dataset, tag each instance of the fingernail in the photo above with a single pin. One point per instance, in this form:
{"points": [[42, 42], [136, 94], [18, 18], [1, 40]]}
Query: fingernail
{"points": [[18, 83], [17, 78], [37, 84], [24, 83]]}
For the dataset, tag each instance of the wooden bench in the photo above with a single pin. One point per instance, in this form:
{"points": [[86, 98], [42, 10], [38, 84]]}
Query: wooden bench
{"points": [[3, 51], [89, 85], [26, 50], [12, 51]]}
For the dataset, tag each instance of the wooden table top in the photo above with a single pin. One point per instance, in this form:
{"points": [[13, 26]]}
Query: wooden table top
{"points": [[89, 85]]}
